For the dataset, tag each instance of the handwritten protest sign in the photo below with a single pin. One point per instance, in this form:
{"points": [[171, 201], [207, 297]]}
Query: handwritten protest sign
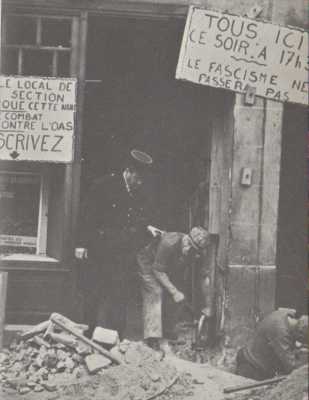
{"points": [[37, 118], [233, 52]]}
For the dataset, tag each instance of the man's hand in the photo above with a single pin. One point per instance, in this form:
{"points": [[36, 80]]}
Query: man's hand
{"points": [[81, 253], [178, 297], [154, 231]]}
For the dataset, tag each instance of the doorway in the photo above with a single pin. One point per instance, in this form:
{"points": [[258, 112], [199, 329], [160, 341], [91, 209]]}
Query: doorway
{"points": [[292, 257], [133, 100]]}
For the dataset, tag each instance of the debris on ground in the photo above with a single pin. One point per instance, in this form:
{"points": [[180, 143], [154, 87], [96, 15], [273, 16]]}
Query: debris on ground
{"points": [[48, 363], [221, 355], [294, 386]]}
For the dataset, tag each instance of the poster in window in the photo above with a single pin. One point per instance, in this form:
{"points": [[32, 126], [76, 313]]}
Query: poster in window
{"points": [[19, 212]]}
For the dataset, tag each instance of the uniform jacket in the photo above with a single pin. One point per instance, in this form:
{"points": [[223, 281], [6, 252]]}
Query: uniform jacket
{"points": [[112, 219]]}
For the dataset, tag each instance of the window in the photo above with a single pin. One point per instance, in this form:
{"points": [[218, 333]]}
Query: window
{"points": [[32, 194], [37, 45]]}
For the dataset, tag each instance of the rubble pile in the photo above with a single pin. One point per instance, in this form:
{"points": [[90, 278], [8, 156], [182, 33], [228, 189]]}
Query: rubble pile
{"points": [[295, 386], [39, 361], [49, 363]]}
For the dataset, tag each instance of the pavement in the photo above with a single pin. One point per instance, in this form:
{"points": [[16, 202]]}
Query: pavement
{"points": [[210, 380]]}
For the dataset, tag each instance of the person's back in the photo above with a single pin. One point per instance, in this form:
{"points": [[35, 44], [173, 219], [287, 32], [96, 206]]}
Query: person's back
{"points": [[273, 344]]}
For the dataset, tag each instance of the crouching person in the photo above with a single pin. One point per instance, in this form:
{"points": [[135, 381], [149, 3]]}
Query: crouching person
{"points": [[170, 251], [272, 351]]}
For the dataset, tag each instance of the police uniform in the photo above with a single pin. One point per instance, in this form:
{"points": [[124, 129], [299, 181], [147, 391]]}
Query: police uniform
{"points": [[113, 229]]}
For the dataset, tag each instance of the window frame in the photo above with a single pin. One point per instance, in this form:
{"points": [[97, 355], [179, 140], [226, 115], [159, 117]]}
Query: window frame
{"points": [[21, 48], [42, 223]]}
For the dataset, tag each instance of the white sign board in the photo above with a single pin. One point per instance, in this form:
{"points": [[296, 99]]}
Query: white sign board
{"points": [[37, 118], [231, 52]]}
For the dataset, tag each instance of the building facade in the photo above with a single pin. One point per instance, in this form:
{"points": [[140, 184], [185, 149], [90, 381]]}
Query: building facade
{"points": [[124, 56]]}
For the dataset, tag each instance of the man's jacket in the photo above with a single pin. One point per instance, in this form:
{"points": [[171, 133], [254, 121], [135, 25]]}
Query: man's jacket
{"points": [[273, 347], [112, 219]]}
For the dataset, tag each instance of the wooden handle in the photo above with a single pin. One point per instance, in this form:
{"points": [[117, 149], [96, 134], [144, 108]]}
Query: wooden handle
{"points": [[246, 386], [66, 325]]}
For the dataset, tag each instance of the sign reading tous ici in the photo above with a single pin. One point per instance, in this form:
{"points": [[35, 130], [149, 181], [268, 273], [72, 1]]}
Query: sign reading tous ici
{"points": [[235, 53], [37, 118]]}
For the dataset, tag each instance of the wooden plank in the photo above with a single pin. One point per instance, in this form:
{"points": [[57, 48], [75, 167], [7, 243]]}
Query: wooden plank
{"points": [[35, 47], [79, 40], [220, 194], [220, 177], [137, 9], [271, 179], [71, 184], [3, 296]]}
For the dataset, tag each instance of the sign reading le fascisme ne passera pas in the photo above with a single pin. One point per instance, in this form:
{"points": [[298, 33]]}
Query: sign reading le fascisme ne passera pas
{"points": [[231, 52], [37, 118]]}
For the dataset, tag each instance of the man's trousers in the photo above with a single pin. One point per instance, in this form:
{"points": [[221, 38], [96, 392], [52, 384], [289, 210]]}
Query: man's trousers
{"points": [[106, 292], [159, 316]]}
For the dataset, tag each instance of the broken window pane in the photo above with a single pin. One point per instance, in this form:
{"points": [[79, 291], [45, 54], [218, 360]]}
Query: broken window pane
{"points": [[19, 212], [21, 30], [38, 63], [56, 33]]}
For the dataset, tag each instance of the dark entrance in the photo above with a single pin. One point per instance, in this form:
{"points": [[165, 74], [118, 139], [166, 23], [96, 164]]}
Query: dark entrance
{"points": [[134, 101], [292, 261]]}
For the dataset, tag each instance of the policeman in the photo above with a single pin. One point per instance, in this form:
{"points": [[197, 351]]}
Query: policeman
{"points": [[112, 230]]}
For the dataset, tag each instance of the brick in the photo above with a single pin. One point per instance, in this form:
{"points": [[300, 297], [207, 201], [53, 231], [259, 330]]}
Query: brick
{"points": [[24, 390], [105, 336], [95, 362]]}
